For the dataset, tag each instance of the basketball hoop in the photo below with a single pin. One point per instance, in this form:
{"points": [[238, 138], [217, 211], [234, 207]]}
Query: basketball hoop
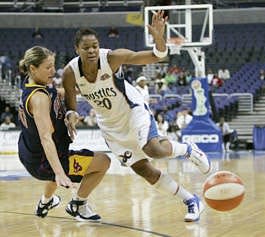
{"points": [[175, 44], [180, 30]]}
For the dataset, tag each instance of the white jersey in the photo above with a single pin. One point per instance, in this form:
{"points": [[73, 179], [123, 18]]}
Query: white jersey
{"points": [[112, 98], [123, 117]]}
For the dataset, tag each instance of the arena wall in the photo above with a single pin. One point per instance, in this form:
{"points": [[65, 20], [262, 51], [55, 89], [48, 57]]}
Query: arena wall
{"points": [[75, 20]]}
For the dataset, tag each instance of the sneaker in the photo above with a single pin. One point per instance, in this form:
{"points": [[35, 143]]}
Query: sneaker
{"points": [[198, 157], [82, 211], [42, 209], [195, 208]]}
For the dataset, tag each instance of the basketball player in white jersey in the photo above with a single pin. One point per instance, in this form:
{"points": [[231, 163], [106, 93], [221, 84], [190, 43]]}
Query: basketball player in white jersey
{"points": [[125, 120]]}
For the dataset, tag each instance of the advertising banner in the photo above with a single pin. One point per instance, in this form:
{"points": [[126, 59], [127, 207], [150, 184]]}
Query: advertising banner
{"points": [[89, 139], [202, 130]]}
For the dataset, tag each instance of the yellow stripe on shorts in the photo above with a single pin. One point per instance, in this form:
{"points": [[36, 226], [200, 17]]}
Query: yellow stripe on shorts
{"points": [[78, 164]]}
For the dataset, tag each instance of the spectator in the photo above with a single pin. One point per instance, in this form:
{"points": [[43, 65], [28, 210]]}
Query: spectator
{"points": [[91, 120], [183, 118], [113, 33], [261, 74], [181, 79], [224, 74], [216, 82], [226, 132], [210, 76], [162, 125], [213, 111], [7, 124], [188, 77], [37, 34], [7, 113], [57, 81], [160, 86], [171, 79], [6, 68], [141, 86], [128, 73], [59, 71]]}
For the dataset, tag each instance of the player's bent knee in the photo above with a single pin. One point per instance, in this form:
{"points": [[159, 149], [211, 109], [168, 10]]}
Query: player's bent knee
{"points": [[103, 160], [146, 170], [155, 149]]}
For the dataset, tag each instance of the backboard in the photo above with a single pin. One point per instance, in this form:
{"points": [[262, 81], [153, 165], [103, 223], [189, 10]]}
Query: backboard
{"points": [[193, 23]]}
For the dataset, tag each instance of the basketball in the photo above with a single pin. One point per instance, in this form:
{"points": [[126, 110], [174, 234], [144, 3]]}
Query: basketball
{"points": [[223, 191]]}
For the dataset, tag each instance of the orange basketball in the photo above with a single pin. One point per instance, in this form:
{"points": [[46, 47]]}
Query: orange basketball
{"points": [[223, 191]]}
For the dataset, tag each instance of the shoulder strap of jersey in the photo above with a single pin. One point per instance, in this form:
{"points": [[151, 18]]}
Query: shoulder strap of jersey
{"points": [[74, 65], [104, 64], [33, 91]]}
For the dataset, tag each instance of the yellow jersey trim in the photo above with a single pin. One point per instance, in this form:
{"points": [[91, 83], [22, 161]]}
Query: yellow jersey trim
{"points": [[34, 85], [31, 94]]}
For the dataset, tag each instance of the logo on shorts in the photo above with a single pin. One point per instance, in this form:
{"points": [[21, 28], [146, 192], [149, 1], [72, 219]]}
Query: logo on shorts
{"points": [[77, 166], [127, 155]]}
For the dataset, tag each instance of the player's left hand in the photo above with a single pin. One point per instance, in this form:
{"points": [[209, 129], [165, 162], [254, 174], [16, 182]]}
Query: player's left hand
{"points": [[157, 28], [63, 180]]}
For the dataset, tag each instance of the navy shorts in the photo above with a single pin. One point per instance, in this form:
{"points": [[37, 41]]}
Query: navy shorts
{"points": [[75, 165]]}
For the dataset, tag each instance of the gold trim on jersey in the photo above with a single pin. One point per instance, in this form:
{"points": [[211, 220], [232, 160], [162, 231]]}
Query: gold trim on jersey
{"points": [[78, 164], [31, 94], [34, 85]]}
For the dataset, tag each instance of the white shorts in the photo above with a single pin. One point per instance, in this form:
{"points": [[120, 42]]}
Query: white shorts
{"points": [[128, 142]]}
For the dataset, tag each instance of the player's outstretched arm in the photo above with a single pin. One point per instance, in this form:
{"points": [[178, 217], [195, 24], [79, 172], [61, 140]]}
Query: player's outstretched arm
{"points": [[39, 106], [160, 50]]}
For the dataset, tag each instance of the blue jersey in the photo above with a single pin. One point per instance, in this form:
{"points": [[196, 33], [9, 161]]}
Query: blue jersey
{"points": [[30, 147]]}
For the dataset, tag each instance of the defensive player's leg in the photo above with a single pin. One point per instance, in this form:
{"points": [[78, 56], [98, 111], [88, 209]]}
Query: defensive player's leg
{"points": [[88, 168], [94, 174], [49, 189], [48, 200], [42, 171]]}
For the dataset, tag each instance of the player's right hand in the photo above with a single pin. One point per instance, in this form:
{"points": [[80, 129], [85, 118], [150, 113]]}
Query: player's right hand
{"points": [[63, 180], [157, 27], [71, 119]]}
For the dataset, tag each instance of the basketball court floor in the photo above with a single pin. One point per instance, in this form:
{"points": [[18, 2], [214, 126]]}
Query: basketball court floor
{"points": [[131, 208]]}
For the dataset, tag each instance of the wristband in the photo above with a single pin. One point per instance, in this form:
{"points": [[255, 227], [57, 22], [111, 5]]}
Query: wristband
{"points": [[69, 112], [158, 53]]}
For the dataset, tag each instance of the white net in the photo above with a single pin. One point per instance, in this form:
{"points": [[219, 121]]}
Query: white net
{"points": [[175, 44], [174, 49]]}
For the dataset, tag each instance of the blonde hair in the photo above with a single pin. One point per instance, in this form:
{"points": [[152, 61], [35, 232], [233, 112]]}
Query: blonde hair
{"points": [[33, 56]]}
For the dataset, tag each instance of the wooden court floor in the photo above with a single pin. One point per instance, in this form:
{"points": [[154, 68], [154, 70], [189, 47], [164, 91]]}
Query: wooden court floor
{"points": [[131, 208]]}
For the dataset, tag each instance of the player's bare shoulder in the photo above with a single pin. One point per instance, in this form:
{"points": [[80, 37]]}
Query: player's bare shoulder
{"points": [[68, 75], [118, 57], [119, 53], [68, 71]]}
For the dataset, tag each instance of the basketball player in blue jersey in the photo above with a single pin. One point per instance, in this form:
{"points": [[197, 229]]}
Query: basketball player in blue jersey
{"points": [[125, 120], [44, 141]]}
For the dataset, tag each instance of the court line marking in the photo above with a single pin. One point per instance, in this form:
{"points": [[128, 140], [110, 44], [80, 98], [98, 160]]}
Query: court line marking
{"points": [[100, 223]]}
